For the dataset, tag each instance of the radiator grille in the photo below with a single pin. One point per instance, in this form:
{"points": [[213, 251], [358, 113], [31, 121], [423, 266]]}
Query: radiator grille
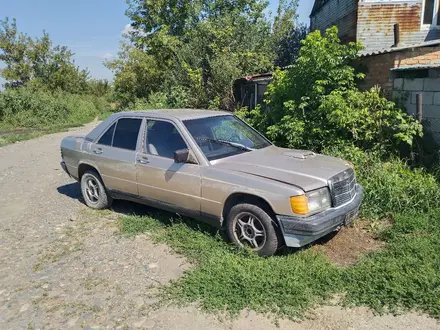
{"points": [[343, 187]]}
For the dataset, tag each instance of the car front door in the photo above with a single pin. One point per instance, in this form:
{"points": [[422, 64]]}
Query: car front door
{"points": [[161, 181], [114, 153]]}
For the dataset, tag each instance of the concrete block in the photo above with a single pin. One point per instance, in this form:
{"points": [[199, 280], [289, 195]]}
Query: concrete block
{"points": [[437, 98], [428, 97], [414, 97], [413, 84], [431, 111], [432, 85], [434, 73], [398, 83]]}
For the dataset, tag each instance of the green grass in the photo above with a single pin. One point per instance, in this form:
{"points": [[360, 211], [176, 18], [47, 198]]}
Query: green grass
{"points": [[37, 112], [403, 276], [225, 278], [28, 134], [13, 137], [391, 186]]}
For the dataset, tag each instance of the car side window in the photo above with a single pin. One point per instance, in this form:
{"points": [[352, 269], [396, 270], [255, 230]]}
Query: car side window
{"points": [[107, 138], [126, 133], [163, 139]]}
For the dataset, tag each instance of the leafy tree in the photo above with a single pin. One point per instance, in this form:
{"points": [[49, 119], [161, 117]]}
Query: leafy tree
{"points": [[99, 87], [316, 103], [287, 46], [136, 74], [37, 62], [287, 36], [193, 50]]}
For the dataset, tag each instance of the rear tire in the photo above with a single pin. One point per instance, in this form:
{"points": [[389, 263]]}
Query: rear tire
{"points": [[93, 191], [249, 225]]}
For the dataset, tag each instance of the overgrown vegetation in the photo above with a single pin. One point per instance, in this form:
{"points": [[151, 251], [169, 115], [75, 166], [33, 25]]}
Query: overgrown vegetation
{"points": [[44, 91], [192, 51], [316, 103], [403, 276], [391, 186], [35, 108], [231, 280], [188, 54]]}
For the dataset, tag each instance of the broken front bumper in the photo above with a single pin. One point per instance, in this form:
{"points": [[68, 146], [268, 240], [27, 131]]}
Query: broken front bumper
{"points": [[300, 231]]}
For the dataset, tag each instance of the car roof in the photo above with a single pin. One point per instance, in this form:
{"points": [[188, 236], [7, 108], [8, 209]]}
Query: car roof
{"points": [[181, 114]]}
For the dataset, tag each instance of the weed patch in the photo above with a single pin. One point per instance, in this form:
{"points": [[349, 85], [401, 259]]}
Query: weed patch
{"points": [[403, 276], [27, 113], [12, 137], [231, 280], [391, 186]]}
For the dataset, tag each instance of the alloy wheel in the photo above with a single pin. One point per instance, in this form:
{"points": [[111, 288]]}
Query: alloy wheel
{"points": [[92, 190], [249, 231]]}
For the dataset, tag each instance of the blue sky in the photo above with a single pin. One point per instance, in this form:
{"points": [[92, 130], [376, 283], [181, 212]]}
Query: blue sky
{"points": [[90, 28]]}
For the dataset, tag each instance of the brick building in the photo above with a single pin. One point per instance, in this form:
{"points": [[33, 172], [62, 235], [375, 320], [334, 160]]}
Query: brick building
{"points": [[401, 42]]}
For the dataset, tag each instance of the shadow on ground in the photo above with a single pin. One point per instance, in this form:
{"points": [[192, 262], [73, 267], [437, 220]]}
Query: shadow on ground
{"points": [[343, 248], [73, 190]]}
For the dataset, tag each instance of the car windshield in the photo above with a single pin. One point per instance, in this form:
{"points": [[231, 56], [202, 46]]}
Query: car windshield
{"points": [[224, 136]]}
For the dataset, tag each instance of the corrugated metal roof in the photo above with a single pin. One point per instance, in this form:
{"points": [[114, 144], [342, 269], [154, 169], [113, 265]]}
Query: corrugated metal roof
{"points": [[398, 49], [417, 67], [261, 76]]}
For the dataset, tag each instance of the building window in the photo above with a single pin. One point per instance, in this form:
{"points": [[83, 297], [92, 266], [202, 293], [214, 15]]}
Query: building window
{"points": [[431, 12]]}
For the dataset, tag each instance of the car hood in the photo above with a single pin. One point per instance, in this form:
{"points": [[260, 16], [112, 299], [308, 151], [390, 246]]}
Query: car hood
{"points": [[300, 168]]}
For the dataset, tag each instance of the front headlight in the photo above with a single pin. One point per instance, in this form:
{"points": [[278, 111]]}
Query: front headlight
{"points": [[312, 202]]}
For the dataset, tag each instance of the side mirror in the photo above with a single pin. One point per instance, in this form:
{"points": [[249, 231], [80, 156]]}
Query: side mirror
{"points": [[184, 156], [181, 156]]}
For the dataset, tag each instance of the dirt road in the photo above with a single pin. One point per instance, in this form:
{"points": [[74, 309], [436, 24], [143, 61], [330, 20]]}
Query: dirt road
{"points": [[64, 266]]}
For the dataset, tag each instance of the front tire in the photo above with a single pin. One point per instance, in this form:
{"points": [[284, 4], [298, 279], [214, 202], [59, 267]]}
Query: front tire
{"points": [[249, 225], [93, 190]]}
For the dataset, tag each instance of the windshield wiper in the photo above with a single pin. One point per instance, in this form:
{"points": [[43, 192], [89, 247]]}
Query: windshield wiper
{"points": [[229, 143]]}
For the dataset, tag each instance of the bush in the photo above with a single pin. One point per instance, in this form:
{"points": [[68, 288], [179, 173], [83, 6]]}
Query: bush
{"points": [[316, 103], [391, 186], [32, 108]]}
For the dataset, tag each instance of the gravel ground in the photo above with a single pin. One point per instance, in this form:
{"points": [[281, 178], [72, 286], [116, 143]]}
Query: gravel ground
{"points": [[65, 266]]}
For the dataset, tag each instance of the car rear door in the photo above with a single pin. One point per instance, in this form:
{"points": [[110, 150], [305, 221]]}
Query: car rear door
{"points": [[115, 152], [161, 181]]}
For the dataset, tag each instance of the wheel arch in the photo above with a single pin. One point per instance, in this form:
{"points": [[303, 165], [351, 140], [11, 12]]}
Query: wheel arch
{"points": [[86, 166], [242, 197]]}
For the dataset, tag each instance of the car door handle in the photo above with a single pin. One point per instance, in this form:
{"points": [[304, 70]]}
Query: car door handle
{"points": [[143, 160], [97, 151]]}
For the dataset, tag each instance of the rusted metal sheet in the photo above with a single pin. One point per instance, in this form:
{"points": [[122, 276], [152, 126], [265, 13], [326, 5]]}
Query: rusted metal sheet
{"points": [[382, 17], [375, 27]]}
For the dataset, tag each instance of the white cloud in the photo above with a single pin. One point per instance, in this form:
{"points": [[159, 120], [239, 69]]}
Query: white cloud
{"points": [[127, 29], [106, 56]]}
